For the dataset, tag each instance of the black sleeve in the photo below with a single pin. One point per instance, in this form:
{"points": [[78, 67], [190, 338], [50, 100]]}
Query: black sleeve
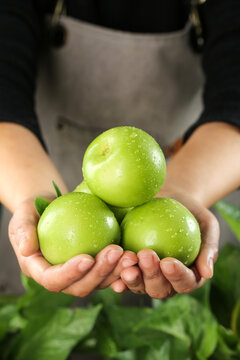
{"points": [[221, 63], [19, 43]]}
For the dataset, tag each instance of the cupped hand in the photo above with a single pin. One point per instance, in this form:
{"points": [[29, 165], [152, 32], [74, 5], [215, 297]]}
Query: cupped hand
{"points": [[162, 278], [80, 275]]}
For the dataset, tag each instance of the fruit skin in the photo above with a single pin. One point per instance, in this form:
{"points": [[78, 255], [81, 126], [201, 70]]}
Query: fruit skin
{"points": [[76, 223], [83, 187], [165, 226], [119, 212], [124, 166]]}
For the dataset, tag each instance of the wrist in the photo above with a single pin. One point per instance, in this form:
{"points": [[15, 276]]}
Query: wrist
{"points": [[176, 189]]}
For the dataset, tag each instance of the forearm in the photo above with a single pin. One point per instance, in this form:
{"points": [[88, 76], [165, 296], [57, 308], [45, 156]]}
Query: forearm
{"points": [[25, 169], [207, 167]]}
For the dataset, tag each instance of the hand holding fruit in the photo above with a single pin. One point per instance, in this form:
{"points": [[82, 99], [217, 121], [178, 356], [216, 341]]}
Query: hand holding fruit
{"points": [[160, 278], [80, 275]]}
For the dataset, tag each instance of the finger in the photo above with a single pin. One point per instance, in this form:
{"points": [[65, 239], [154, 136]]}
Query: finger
{"points": [[23, 230], [132, 278], [182, 279], [156, 285], [128, 259], [105, 262], [209, 248], [57, 277], [118, 286]]}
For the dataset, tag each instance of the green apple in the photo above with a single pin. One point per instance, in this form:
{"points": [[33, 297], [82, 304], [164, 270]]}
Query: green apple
{"points": [[76, 223], [165, 226], [83, 187], [124, 166], [118, 211]]}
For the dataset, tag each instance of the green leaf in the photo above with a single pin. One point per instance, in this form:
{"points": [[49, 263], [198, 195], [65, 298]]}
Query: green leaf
{"points": [[123, 321], [38, 298], [181, 324], [231, 214], [168, 318], [106, 297], [10, 320], [58, 192], [54, 334], [228, 347], [126, 355], [187, 320], [170, 349], [203, 294], [106, 344], [235, 319], [156, 303], [40, 205], [8, 299], [225, 290]]}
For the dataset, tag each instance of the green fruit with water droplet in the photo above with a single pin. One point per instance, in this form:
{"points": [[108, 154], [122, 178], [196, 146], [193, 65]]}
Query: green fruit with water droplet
{"points": [[124, 166], [119, 212], [76, 223], [165, 226]]}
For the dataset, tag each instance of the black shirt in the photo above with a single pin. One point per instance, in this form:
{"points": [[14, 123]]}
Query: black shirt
{"points": [[21, 32]]}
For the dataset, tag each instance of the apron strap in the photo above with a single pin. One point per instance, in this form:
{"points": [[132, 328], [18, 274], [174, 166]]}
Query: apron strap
{"points": [[56, 31]]}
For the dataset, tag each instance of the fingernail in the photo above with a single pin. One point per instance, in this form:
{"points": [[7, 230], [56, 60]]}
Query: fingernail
{"points": [[131, 278], [85, 264], [114, 255], [168, 267], [118, 288], [147, 261], [128, 263]]}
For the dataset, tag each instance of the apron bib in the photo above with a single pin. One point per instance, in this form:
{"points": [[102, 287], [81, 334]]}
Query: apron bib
{"points": [[103, 78]]}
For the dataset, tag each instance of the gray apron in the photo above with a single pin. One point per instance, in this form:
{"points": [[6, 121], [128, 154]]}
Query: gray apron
{"points": [[103, 78]]}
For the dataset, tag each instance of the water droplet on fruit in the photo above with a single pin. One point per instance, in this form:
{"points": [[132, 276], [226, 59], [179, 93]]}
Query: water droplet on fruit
{"points": [[133, 135]]}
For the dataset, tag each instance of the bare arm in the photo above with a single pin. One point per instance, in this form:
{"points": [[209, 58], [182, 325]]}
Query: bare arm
{"points": [[26, 169], [208, 165]]}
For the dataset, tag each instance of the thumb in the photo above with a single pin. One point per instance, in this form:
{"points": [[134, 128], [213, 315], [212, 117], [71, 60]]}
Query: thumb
{"points": [[22, 229]]}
